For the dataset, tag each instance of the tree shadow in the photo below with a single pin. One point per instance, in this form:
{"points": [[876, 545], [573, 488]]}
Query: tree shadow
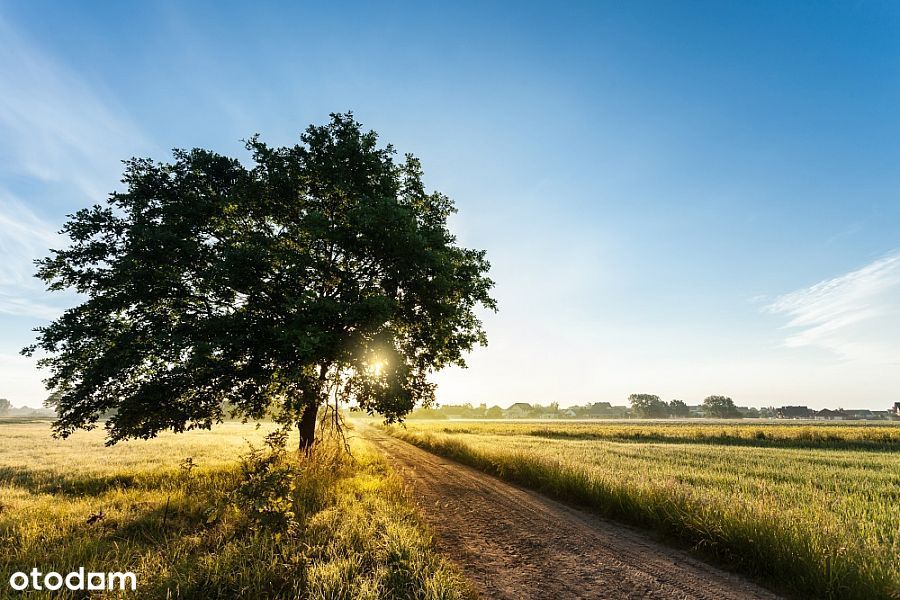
{"points": [[38, 481], [174, 507]]}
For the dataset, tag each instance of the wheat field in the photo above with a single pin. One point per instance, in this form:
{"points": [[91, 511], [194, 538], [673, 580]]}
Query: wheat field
{"points": [[175, 512], [811, 508]]}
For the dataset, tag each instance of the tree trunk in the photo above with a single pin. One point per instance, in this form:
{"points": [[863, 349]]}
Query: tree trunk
{"points": [[307, 427]]}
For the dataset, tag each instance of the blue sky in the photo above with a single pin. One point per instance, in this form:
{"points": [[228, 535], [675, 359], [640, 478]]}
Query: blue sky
{"points": [[678, 198]]}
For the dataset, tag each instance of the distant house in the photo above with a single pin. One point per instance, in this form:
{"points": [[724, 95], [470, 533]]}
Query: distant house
{"points": [[896, 410], [597, 410], [860, 414], [568, 413], [829, 415], [793, 412], [696, 410], [519, 410]]}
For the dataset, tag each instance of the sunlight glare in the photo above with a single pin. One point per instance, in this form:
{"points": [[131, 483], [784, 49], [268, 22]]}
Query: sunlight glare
{"points": [[376, 367]]}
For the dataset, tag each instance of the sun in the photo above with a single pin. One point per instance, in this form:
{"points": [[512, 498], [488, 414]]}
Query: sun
{"points": [[376, 367]]}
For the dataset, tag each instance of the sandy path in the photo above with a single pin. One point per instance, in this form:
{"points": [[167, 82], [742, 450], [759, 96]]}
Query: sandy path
{"points": [[514, 543]]}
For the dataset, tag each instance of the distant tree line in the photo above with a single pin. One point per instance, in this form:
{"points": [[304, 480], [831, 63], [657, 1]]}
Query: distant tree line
{"points": [[650, 406], [643, 406], [8, 410]]}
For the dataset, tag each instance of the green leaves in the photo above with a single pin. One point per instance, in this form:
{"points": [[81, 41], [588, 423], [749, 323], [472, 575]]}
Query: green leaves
{"points": [[265, 287], [648, 406], [720, 406]]}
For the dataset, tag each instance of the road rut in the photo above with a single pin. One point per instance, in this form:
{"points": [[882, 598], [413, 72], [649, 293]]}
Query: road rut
{"points": [[515, 543]]}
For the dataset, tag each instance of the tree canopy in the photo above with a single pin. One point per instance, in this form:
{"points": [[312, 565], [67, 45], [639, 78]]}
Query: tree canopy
{"points": [[323, 272], [679, 408], [721, 407], [648, 406]]}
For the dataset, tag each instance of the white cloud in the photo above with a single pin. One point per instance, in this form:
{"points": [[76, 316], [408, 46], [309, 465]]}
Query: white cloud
{"points": [[62, 141], [62, 138], [54, 127], [25, 237], [856, 315]]}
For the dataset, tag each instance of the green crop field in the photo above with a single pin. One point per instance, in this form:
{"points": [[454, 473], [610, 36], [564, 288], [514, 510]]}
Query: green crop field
{"points": [[811, 508], [328, 526]]}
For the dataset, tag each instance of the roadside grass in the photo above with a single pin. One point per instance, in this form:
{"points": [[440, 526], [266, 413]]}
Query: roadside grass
{"points": [[812, 522], [800, 434], [350, 531]]}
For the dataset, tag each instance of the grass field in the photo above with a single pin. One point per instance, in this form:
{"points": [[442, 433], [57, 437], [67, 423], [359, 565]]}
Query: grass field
{"points": [[343, 528], [814, 509]]}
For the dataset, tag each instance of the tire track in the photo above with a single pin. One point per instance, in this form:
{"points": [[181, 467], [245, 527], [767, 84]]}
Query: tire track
{"points": [[514, 543]]}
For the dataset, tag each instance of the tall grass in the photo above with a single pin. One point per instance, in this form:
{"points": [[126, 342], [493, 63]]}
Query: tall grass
{"points": [[816, 522], [799, 434], [185, 532]]}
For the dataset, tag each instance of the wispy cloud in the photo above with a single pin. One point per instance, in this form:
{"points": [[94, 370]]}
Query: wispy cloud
{"points": [[856, 315], [61, 140], [24, 237], [54, 127]]}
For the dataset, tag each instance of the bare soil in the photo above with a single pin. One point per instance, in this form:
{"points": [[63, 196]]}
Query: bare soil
{"points": [[515, 543]]}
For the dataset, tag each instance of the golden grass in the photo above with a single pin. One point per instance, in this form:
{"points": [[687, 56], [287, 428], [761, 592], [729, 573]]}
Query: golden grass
{"points": [[815, 510], [355, 533], [797, 434]]}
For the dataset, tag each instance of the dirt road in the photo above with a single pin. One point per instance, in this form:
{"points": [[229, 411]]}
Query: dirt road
{"points": [[513, 543]]}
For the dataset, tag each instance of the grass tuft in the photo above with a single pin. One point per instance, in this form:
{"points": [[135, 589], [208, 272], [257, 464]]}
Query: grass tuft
{"points": [[818, 521], [349, 530]]}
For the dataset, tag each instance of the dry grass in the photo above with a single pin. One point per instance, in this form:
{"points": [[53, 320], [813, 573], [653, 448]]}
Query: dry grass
{"points": [[352, 533], [791, 434], [813, 509]]}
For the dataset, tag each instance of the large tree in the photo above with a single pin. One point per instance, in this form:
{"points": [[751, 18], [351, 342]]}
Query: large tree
{"points": [[323, 272], [678, 408], [648, 406], [721, 407]]}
